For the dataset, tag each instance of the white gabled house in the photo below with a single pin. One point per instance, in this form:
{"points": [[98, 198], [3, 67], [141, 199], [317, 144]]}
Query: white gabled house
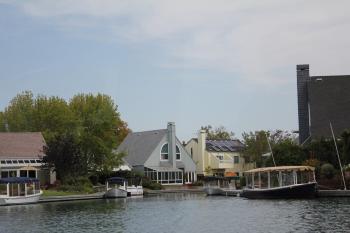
{"points": [[159, 155]]}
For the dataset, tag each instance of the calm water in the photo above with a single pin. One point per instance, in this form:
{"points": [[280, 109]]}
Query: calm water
{"points": [[180, 213]]}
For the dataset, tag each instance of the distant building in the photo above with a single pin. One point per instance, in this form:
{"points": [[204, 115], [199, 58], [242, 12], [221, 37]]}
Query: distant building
{"points": [[217, 157], [21, 155], [321, 100], [159, 155]]}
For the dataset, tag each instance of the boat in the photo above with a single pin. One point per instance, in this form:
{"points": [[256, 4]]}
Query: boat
{"points": [[134, 187], [19, 190], [280, 182], [217, 185], [116, 187]]}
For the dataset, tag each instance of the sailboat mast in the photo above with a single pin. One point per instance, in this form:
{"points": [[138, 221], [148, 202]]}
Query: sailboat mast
{"points": [[336, 148], [268, 142]]}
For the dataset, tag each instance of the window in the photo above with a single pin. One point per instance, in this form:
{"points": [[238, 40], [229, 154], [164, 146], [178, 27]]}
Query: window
{"points": [[31, 174], [178, 154], [164, 153], [220, 157], [236, 159], [23, 173]]}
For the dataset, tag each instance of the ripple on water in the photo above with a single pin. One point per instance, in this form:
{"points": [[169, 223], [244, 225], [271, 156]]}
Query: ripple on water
{"points": [[180, 213]]}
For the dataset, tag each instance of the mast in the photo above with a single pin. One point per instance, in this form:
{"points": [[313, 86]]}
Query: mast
{"points": [[336, 148], [268, 142]]}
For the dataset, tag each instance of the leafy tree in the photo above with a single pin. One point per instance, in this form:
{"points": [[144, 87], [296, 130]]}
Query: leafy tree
{"points": [[2, 122], [323, 150], [63, 154], [19, 114], [219, 133], [101, 131], [257, 145], [287, 153]]}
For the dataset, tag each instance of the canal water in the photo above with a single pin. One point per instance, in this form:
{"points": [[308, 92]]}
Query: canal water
{"points": [[180, 213]]}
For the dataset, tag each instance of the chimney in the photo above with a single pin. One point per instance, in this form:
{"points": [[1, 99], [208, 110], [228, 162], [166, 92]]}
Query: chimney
{"points": [[303, 78], [201, 146], [172, 143]]}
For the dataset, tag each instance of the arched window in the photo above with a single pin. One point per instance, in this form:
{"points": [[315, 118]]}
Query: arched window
{"points": [[164, 152], [178, 154]]}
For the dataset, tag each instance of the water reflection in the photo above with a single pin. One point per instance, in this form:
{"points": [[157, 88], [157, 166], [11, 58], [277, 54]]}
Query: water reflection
{"points": [[180, 213]]}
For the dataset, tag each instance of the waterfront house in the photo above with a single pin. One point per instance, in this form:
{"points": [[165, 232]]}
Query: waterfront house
{"points": [[21, 156], [217, 157], [159, 155]]}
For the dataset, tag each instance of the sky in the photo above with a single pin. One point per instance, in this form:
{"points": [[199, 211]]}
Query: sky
{"points": [[228, 63]]}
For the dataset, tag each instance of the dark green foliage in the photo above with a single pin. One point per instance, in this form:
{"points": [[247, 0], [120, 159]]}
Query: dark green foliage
{"points": [[327, 171], [81, 135], [217, 133], [77, 184], [287, 153], [147, 183], [324, 151]]}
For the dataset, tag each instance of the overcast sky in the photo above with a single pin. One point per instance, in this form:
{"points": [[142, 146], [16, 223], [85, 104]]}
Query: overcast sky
{"points": [[194, 62]]}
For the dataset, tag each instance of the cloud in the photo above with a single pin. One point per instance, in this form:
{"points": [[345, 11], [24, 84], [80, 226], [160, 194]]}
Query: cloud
{"points": [[258, 41]]}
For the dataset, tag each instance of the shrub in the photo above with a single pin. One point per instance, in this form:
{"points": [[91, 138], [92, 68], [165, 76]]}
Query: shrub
{"points": [[147, 183], [78, 184], [327, 170], [198, 183]]}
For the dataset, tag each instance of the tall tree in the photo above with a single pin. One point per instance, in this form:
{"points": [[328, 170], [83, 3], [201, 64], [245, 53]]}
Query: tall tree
{"points": [[217, 133], [2, 122], [101, 130], [19, 114]]}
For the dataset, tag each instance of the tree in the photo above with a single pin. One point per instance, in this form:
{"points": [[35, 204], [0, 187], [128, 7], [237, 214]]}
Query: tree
{"points": [[101, 130], [19, 114], [63, 154], [219, 133], [2, 122], [256, 144], [287, 153]]}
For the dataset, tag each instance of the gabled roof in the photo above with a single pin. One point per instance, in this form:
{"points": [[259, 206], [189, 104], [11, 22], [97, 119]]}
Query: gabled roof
{"points": [[224, 145], [21, 145], [140, 145]]}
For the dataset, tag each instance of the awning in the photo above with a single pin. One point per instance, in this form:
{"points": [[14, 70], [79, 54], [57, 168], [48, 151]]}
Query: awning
{"points": [[116, 180], [18, 180]]}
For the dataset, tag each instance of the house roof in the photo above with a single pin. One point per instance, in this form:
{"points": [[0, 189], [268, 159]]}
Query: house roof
{"points": [[21, 145], [224, 145], [140, 145]]}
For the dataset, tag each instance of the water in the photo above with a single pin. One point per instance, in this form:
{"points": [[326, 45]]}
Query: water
{"points": [[180, 213]]}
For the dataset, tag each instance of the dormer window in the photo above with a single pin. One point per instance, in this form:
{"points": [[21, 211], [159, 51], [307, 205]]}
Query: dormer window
{"points": [[164, 153]]}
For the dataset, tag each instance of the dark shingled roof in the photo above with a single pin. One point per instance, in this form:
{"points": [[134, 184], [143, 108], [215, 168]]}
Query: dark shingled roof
{"points": [[140, 145], [21, 145], [224, 145]]}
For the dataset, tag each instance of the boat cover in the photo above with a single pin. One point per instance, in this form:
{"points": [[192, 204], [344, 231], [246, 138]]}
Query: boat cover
{"points": [[18, 180]]}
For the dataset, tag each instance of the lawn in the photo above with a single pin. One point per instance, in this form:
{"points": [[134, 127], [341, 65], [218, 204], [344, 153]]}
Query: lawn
{"points": [[52, 192]]}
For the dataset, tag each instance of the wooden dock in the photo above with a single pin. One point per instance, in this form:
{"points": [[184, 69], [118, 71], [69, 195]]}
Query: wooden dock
{"points": [[333, 193]]}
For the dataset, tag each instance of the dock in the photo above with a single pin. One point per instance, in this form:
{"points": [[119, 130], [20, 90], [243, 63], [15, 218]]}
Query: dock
{"points": [[71, 197], [333, 193]]}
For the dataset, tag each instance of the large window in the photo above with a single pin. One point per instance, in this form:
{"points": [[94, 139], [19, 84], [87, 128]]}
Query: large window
{"points": [[164, 152], [178, 154], [164, 177], [236, 159]]}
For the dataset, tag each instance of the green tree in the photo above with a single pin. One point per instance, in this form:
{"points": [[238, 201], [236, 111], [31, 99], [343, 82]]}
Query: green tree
{"points": [[2, 122], [323, 150], [19, 114], [219, 133], [101, 130], [287, 153], [63, 154]]}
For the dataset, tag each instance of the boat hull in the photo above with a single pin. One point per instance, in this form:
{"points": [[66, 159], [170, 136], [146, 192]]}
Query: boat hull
{"points": [[135, 190], [308, 190], [18, 200], [115, 193], [212, 190]]}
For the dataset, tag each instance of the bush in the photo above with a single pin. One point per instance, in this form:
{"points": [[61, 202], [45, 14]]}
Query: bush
{"points": [[198, 183], [147, 183], [327, 170], [78, 184]]}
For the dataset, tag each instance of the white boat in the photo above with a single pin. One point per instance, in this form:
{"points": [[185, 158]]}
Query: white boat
{"points": [[19, 190], [135, 190], [214, 185], [116, 187]]}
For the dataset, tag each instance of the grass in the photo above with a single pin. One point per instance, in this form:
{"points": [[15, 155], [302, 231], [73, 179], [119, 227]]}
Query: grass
{"points": [[52, 192]]}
